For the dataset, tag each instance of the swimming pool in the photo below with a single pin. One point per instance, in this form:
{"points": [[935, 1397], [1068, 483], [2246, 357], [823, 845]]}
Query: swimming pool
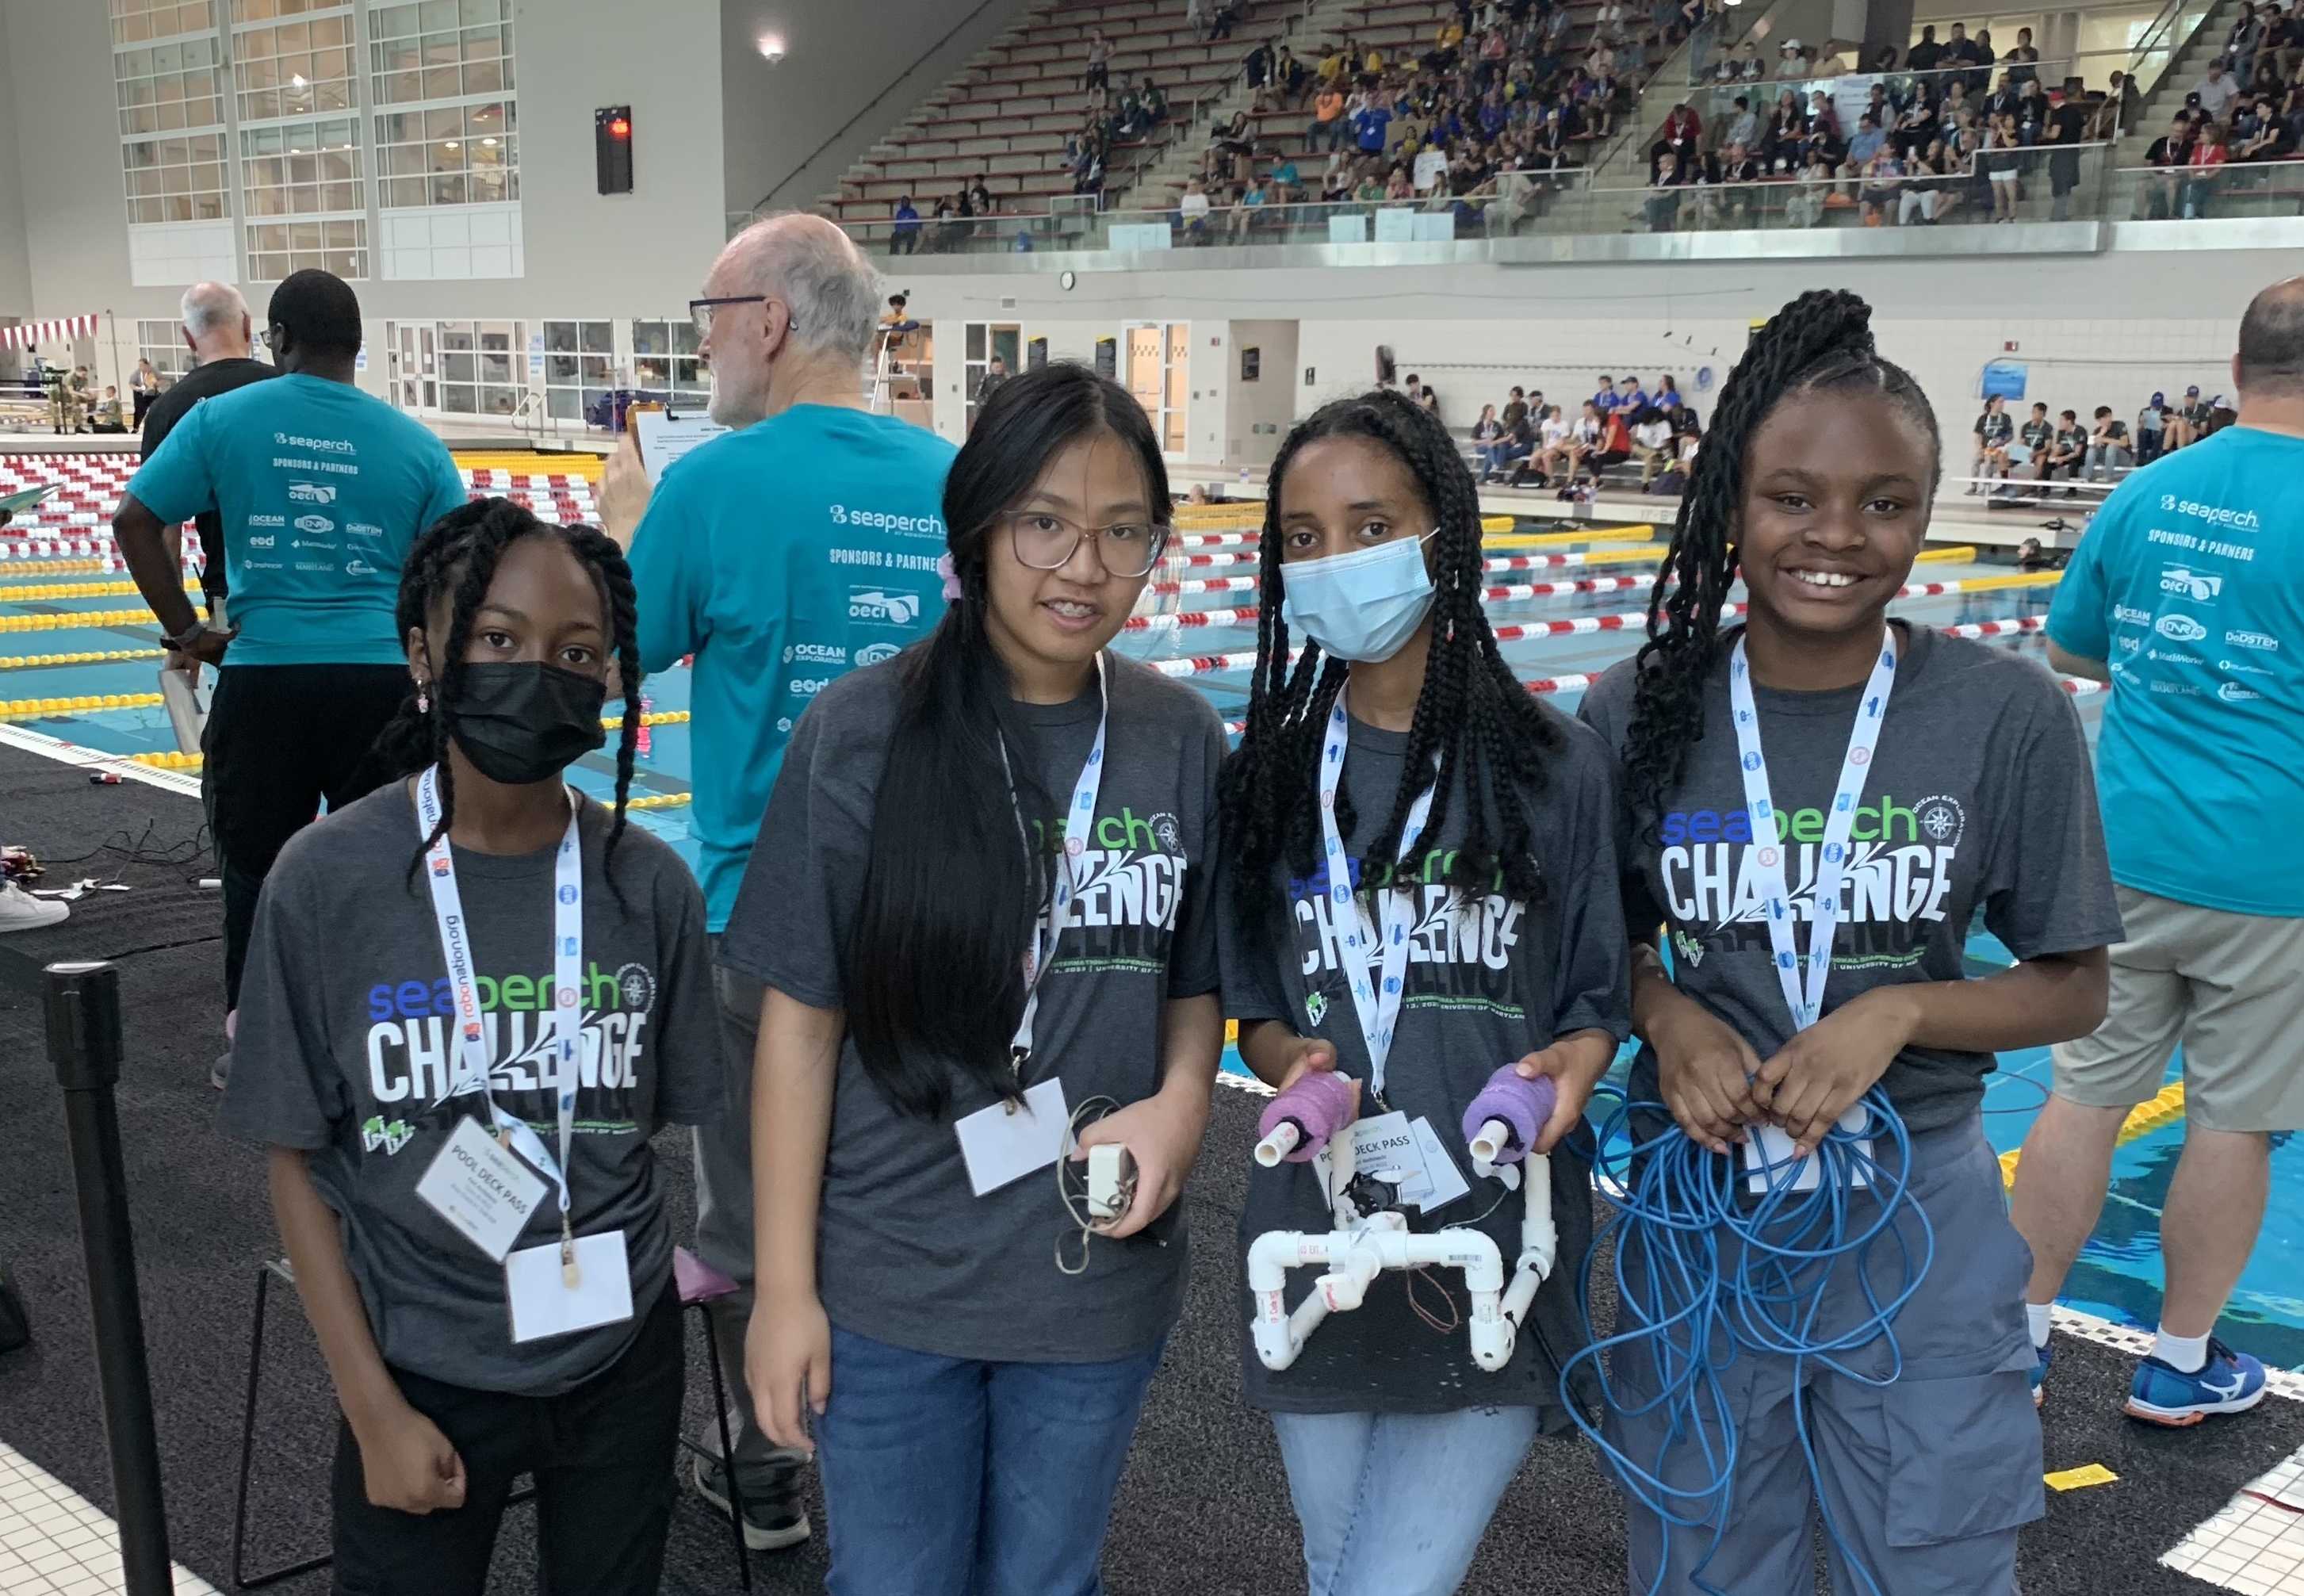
{"points": [[70, 610]]}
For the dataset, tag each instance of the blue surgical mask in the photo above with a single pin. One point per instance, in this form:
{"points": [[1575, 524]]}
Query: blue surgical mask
{"points": [[1360, 605]]}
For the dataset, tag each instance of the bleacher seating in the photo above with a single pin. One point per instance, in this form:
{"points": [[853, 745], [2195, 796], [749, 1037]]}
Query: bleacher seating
{"points": [[1006, 116]]}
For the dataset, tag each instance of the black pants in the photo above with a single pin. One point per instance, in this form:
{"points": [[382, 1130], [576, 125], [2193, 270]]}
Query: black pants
{"points": [[280, 739], [602, 1458]]}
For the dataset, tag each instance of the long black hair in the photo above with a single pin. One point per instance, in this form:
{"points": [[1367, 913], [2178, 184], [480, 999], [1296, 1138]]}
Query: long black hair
{"points": [[933, 969], [458, 558], [1821, 341], [1472, 713]]}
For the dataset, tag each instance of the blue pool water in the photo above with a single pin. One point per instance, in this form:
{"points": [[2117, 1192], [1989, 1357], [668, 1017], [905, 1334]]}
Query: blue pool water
{"points": [[2118, 1275]]}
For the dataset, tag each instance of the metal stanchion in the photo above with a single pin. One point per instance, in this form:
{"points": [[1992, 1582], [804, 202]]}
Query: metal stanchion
{"points": [[83, 1015]]}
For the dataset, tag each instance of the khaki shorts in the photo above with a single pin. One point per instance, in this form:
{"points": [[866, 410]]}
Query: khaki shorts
{"points": [[2229, 987]]}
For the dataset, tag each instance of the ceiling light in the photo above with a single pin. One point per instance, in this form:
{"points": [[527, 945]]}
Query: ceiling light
{"points": [[772, 48], [297, 80], [490, 143], [450, 144]]}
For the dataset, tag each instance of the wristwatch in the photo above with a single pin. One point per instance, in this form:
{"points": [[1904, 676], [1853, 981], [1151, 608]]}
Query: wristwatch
{"points": [[182, 642]]}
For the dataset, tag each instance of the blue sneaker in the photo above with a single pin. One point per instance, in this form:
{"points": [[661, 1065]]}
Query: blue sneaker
{"points": [[2229, 1382], [2043, 1357]]}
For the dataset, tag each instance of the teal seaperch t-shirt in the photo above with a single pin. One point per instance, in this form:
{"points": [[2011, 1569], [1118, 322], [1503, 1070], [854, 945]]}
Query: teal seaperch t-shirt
{"points": [[322, 490], [782, 556], [2190, 585]]}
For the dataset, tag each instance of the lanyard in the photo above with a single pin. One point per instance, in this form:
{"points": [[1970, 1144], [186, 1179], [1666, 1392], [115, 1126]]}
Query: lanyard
{"points": [[567, 1019], [1806, 998], [1378, 1007], [1049, 926]]}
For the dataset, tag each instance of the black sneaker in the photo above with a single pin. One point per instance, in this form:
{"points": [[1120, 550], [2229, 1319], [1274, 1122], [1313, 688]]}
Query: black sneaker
{"points": [[774, 1515]]}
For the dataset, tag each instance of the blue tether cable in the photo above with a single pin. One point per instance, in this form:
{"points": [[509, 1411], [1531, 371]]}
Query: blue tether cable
{"points": [[1715, 1278]]}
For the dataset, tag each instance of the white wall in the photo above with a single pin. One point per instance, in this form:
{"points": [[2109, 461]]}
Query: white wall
{"points": [[640, 254], [871, 61], [1259, 414], [15, 259]]}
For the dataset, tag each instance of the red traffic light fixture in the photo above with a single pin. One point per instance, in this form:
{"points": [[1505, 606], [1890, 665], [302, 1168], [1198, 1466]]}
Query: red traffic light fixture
{"points": [[612, 148]]}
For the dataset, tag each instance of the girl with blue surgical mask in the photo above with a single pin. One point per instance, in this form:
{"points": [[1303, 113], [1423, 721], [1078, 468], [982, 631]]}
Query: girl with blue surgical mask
{"points": [[1399, 752]]}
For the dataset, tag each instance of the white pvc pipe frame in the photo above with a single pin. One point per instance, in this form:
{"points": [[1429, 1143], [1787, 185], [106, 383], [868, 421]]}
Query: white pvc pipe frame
{"points": [[1357, 1255]]}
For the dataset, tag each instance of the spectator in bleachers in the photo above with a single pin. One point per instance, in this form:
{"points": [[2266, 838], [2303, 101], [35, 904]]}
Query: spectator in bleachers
{"points": [[1613, 445], [2203, 171], [2216, 90], [1631, 397], [1559, 445], [1192, 212], [1224, 16], [1370, 126], [2035, 435], [1328, 128], [2067, 452], [2151, 429], [1516, 407], [1652, 444], [2066, 128], [1512, 452], [2004, 158], [904, 236], [2107, 455], [1098, 74], [1662, 207], [2189, 423], [2283, 43], [1994, 429], [1256, 67], [2169, 154], [1923, 190], [1882, 181]]}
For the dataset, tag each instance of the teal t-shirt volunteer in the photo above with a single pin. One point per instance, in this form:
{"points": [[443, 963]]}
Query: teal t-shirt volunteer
{"points": [[781, 556], [322, 489], [2190, 585]]}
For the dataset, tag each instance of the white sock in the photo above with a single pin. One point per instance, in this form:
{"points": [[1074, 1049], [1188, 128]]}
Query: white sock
{"points": [[2187, 1355], [2037, 1315]]}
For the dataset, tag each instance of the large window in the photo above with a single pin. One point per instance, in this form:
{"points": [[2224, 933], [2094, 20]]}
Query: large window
{"points": [[162, 343], [337, 244], [176, 179], [665, 360], [165, 88], [292, 68], [441, 81], [134, 21], [580, 366], [450, 155], [300, 169], [481, 369]]}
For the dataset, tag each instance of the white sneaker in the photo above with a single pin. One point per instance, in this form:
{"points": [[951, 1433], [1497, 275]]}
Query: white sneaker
{"points": [[19, 911]]}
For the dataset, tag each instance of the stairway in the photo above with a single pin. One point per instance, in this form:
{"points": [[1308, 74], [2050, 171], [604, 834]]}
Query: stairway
{"points": [[2189, 66]]}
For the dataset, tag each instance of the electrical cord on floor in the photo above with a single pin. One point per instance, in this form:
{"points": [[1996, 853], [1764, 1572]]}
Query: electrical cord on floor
{"points": [[133, 849], [1703, 1278]]}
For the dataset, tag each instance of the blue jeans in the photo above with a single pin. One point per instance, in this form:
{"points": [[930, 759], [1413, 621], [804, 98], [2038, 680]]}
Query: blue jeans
{"points": [[952, 1477], [1395, 1503]]}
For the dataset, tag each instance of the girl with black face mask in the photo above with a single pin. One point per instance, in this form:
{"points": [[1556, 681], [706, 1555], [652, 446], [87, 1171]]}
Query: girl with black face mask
{"points": [[471, 999]]}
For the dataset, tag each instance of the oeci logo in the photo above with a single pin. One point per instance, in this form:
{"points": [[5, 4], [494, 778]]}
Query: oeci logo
{"points": [[2181, 628], [311, 493], [889, 609], [2192, 584]]}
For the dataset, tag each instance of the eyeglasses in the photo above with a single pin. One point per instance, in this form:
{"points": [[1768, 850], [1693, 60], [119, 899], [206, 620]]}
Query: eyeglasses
{"points": [[1046, 542], [699, 310]]}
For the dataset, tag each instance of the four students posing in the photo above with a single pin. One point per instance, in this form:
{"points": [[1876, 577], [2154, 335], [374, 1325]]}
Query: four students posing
{"points": [[1000, 882]]}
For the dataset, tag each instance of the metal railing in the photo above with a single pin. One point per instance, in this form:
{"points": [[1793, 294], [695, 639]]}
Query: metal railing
{"points": [[2235, 189], [2168, 36]]}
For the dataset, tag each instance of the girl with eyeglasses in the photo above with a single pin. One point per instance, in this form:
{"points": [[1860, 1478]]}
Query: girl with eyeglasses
{"points": [[980, 907]]}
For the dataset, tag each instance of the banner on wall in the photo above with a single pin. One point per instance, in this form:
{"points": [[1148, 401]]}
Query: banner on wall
{"points": [[2005, 379], [26, 334]]}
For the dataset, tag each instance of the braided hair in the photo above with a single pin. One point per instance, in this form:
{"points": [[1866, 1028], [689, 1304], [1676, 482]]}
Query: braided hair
{"points": [[1472, 713], [1821, 341], [458, 558]]}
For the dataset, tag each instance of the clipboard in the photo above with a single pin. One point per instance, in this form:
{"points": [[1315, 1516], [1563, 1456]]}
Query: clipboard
{"points": [[27, 499], [664, 437]]}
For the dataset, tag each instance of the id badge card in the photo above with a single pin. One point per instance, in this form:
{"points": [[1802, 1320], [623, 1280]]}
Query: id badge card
{"points": [[1004, 1144], [484, 1192], [1405, 1153], [1767, 1148], [543, 1304]]}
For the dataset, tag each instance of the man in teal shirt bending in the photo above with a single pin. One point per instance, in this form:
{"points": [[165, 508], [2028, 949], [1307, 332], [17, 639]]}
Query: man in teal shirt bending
{"points": [[802, 544], [2187, 594], [320, 490]]}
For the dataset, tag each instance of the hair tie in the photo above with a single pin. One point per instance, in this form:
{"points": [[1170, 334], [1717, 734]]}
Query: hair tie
{"points": [[952, 591]]}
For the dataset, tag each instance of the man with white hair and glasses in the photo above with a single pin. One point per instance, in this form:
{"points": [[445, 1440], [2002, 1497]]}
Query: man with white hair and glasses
{"points": [[799, 545], [218, 330]]}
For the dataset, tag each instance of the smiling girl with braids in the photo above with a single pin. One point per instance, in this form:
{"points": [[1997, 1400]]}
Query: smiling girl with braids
{"points": [[1885, 784], [472, 968], [1397, 1446]]}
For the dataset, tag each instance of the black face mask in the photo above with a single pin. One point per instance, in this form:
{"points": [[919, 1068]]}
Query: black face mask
{"points": [[527, 723]]}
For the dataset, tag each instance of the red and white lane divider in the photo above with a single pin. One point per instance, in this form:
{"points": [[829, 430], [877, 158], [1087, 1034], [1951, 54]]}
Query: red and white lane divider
{"points": [[1542, 590]]}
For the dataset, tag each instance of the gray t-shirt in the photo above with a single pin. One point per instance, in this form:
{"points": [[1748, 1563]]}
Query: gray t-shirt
{"points": [[907, 1254], [1487, 982], [1979, 800], [345, 1049]]}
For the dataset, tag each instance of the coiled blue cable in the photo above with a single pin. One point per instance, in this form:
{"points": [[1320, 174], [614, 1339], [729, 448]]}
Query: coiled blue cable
{"points": [[1703, 1278]]}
